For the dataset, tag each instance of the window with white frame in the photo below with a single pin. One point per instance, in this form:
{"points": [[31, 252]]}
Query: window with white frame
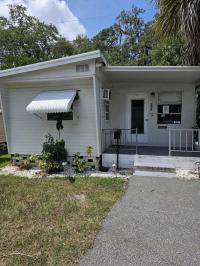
{"points": [[169, 108], [107, 110]]}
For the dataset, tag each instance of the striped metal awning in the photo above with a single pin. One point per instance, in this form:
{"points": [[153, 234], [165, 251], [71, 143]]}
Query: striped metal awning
{"points": [[52, 102]]}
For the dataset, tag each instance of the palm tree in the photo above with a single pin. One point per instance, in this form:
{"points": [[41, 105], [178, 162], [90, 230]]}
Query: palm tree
{"points": [[181, 18]]}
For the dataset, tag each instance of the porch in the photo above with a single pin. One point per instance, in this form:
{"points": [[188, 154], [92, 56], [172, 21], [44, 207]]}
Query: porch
{"points": [[150, 150], [121, 147]]}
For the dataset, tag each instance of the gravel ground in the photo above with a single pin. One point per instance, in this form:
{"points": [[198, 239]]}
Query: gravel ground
{"points": [[36, 173], [156, 223]]}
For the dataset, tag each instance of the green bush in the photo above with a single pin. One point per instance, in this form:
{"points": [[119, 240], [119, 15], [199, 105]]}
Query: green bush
{"points": [[89, 151], [53, 154], [49, 166], [79, 163], [25, 164], [34, 158]]}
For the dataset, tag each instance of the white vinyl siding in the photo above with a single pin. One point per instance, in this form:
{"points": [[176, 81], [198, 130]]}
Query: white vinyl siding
{"points": [[55, 73], [27, 131], [82, 68]]}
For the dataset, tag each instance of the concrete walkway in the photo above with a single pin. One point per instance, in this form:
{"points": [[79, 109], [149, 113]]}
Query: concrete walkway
{"points": [[156, 223]]}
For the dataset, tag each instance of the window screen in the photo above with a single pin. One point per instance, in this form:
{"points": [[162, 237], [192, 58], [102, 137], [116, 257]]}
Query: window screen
{"points": [[57, 116], [169, 107], [169, 114]]}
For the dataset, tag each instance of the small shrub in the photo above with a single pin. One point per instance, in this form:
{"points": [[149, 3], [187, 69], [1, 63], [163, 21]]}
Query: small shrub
{"points": [[79, 163], [34, 158], [60, 151], [49, 166], [25, 164], [53, 154], [89, 151]]}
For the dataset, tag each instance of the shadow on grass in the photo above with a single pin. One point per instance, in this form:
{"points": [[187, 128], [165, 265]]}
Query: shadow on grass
{"points": [[4, 160]]}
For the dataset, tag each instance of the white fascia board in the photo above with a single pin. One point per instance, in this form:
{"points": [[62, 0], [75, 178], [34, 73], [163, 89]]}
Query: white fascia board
{"points": [[151, 68], [52, 63]]}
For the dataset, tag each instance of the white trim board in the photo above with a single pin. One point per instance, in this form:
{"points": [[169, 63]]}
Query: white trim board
{"points": [[53, 63]]}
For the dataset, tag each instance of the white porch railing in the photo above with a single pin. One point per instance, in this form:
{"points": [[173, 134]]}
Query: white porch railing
{"points": [[184, 140], [128, 137]]}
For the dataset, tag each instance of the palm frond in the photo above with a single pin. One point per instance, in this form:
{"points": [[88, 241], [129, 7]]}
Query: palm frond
{"points": [[180, 17]]}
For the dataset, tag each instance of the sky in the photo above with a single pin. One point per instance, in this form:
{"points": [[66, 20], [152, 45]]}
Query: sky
{"points": [[73, 17]]}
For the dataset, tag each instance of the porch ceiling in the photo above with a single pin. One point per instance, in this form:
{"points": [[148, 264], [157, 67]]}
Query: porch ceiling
{"points": [[179, 74]]}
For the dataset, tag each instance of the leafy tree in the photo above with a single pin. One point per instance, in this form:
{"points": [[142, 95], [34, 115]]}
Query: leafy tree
{"points": [[129, 25], [24, 39], [121, 42], [148, 41], [169, 52], [106, 39], [61, 48], [82, 44], [129, 41], [181, 18]]}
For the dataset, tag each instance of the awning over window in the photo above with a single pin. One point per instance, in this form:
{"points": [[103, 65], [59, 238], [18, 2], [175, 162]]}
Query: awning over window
{"points": [[52, 102]]}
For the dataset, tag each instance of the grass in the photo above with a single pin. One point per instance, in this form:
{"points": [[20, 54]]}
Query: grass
{"points": [[4, 160], [44, 222]]}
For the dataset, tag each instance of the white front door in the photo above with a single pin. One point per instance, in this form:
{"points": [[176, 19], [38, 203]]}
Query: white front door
{"points": [[137, 118]]}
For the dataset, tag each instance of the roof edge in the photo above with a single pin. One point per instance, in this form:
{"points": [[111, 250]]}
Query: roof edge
{"points": [[150, 68], [53, 63]]}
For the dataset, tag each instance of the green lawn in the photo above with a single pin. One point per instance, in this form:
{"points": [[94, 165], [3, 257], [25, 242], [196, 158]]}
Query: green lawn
{"points": [[4, 160], [52, 221]]}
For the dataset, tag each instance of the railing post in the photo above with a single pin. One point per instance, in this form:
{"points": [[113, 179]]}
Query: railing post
{"points": [[102, 140], [192, 143], [198, 138], [136, 140], [169, 141], [186, 139]]}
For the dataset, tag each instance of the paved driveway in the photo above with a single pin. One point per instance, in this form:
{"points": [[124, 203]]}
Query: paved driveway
{"points": [[156, 223]]}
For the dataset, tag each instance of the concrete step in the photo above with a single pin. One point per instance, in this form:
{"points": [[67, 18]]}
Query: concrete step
{"points": [[153, 164], [152, 168], [154, 174]]}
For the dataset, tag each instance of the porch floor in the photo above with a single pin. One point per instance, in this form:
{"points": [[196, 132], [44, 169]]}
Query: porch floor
{"points": [[149, 150]]}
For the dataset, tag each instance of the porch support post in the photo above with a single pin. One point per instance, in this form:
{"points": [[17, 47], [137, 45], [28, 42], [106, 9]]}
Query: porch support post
{"points": [[98, 132], [169, 142], [136, 138], [117, 154]]}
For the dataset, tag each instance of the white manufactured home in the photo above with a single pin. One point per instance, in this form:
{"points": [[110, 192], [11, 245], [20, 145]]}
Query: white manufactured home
{"points": [[152, 110]]}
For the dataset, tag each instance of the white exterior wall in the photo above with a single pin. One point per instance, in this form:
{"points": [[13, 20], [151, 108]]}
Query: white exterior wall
{"points": [[27, 132], [156, 136], [101, 83], [52, 74]]}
